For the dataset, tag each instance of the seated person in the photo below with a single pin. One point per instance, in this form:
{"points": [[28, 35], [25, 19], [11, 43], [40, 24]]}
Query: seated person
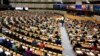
{"points": [[1, 40], [57, 36], [58, 41], [28, 52], [21, 49], [50, 39], [45, 54], [94, 36], [41, 45], [82, 39], [9, 44], [14, 47], [95, 45], [77, 45], [2, 53], [34, 42]]}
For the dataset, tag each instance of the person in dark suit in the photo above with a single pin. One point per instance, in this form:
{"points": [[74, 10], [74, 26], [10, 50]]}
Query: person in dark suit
{"points": [[62, 22], [58, 41], [21, 49], [2, 53], [9, 44]]}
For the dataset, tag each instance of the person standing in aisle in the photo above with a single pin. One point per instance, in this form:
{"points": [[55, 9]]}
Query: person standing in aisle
{"points": [[62, 21]]}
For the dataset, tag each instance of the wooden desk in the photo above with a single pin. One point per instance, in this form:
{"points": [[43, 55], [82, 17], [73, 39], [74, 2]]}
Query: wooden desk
{"points": [[54, 47], [90, 54], [79, 52]]}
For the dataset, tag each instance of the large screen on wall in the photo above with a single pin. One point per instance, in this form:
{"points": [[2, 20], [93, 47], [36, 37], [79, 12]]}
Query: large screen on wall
{"points": [[59, 6], [78, 7], [96, 8]]}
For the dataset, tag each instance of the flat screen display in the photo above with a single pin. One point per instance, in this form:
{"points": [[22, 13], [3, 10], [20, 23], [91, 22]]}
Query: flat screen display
{"points": [[96, 8], [78, 7]]}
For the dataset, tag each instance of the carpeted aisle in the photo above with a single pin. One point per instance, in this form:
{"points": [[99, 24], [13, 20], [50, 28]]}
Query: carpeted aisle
{"points": [[66, 42]]}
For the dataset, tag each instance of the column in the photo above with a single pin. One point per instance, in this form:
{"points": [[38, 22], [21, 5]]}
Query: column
{"points": [[1, 1]]}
